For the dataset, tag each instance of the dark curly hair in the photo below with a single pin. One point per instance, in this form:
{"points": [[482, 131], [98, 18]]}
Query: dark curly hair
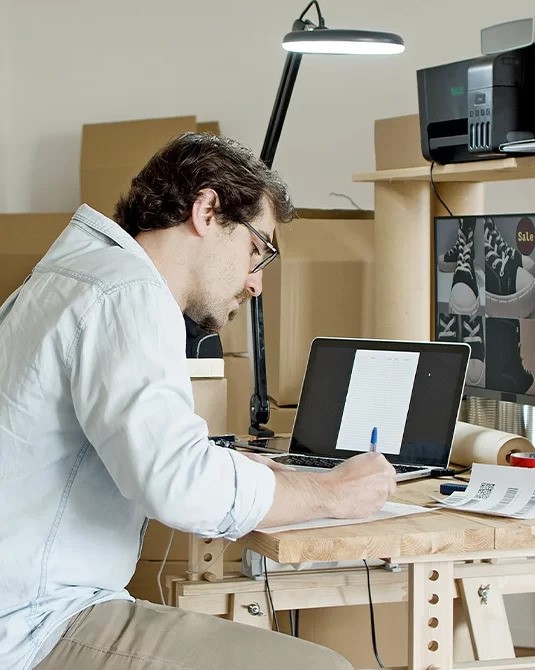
{"points": [[163, 193]]}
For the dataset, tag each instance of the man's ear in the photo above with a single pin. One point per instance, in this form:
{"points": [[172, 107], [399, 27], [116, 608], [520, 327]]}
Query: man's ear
{"points": [[203, 212]]}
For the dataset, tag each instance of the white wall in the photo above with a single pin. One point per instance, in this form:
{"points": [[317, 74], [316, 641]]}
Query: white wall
{"points": [[65, 63], [5, 98], [103, 60]]}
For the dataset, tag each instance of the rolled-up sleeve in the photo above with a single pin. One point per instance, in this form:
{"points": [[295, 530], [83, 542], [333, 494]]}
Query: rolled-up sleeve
{"points": [[133, 399]]}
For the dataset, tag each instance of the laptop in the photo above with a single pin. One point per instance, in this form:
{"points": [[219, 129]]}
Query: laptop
{"points": [[404, 396]]}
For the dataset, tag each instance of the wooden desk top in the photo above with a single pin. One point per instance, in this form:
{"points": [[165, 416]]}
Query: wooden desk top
{"points": [[438, 532]]}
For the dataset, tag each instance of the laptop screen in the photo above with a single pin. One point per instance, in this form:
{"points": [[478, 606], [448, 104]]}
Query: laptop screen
{"points": [[409, 391]]}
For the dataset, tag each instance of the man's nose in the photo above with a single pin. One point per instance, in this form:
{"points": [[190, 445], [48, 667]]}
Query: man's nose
{"points": [[254, 283]]}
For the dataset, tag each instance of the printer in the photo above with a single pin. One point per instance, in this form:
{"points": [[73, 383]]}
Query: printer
{"points": [[478, 108]]}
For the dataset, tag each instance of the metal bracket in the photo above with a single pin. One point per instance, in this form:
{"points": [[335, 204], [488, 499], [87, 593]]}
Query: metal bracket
{"points": [[391, 567], [483, 593]]}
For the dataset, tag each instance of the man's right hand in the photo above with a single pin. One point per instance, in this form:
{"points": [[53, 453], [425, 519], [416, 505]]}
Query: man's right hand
{"points": [[356, 488], [361, 485]]}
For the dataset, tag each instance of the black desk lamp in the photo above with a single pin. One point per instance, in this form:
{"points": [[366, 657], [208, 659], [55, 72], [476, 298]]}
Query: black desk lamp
{"points": [[304, 38]]}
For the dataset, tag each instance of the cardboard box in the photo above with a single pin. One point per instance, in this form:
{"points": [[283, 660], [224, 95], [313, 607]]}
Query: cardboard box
{"points": [[322, 285], [114, 153], [24, 240], [206, 367], [144, 582], [210, 397], [234, 336], [281, 419], [239, 390], [398, 144], [347, 631]]}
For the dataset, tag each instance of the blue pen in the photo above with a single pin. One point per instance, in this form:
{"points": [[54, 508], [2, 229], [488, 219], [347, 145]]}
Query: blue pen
{"points": [[373, 439]]}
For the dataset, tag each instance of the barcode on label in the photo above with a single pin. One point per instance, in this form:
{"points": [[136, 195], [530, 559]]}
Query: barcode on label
{"points": [[485, 490], [527, 507], [508, 498]]}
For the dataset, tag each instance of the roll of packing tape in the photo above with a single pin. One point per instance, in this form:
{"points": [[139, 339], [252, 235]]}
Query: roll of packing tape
{"points": [[477, 444], [526, 460]]}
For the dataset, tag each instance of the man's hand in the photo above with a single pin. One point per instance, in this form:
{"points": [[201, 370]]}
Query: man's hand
{"points": [[356, 488], [361, 485]]}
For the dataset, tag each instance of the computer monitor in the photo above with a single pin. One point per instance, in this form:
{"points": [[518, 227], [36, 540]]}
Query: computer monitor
{"points": [[485, 296]]}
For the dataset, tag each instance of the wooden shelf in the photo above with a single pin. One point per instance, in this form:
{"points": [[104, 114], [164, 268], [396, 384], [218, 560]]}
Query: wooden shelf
{"points": [[478, 171]]}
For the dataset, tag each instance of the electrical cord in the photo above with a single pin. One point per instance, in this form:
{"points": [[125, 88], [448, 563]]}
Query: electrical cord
{"points": [[321, 20], [162, 566], [270, 598], [347, 197], [437, 193], [372, 617], [462, 472]]}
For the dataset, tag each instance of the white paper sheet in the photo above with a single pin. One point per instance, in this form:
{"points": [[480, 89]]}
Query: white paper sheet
{"points": [[389, 510], [379, 395], [498, 490]]}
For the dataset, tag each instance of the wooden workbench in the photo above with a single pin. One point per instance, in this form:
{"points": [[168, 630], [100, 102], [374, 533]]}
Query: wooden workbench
{"points": [[445, 555]]}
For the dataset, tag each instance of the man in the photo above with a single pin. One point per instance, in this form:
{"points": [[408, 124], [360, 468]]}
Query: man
{"points": [[98, 430]]}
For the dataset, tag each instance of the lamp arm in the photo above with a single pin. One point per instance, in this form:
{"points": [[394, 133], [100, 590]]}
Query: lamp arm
{"points": [[280, 107], [259, 404]]}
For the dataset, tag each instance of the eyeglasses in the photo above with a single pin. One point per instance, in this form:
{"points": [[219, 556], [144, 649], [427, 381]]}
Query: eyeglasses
{"points": [[270, 252]]}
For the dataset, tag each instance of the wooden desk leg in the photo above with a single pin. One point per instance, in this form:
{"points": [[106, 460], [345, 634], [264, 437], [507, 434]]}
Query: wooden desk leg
{"points": [[205, 555], [431, 591], [252, 608], [487, 618]]}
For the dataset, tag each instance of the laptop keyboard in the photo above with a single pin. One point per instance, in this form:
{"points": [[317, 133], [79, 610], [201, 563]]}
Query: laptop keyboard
{"points": [[309, 461], [319, 462]]}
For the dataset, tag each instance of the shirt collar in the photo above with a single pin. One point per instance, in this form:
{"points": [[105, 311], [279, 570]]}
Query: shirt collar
{"points": [[97, 221]]}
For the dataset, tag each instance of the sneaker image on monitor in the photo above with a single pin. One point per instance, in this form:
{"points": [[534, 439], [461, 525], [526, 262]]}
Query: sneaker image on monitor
{"points": [[472, 332], [448, 328], [484, 296], [492, 232], [447, 262], [505, 370], [509, 286], [464, 295]]}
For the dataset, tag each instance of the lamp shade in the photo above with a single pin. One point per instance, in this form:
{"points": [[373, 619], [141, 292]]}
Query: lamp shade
{"points": [[339, 41]]}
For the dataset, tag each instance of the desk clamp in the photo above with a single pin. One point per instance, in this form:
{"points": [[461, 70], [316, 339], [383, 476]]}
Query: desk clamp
{"points": [[391, 566]]}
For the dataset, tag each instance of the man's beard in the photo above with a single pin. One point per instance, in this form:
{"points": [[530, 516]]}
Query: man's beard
{"points": [[208, 321], [209, 324]]}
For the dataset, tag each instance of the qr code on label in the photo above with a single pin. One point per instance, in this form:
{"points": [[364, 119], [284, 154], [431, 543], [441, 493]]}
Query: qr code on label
{"points": [[485, 490]]}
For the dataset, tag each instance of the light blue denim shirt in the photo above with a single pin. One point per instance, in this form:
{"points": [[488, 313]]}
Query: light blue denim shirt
{"points": [[97, 432]]}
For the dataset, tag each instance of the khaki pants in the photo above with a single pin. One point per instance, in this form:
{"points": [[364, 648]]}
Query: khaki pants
{"points": [[121, 635]]}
